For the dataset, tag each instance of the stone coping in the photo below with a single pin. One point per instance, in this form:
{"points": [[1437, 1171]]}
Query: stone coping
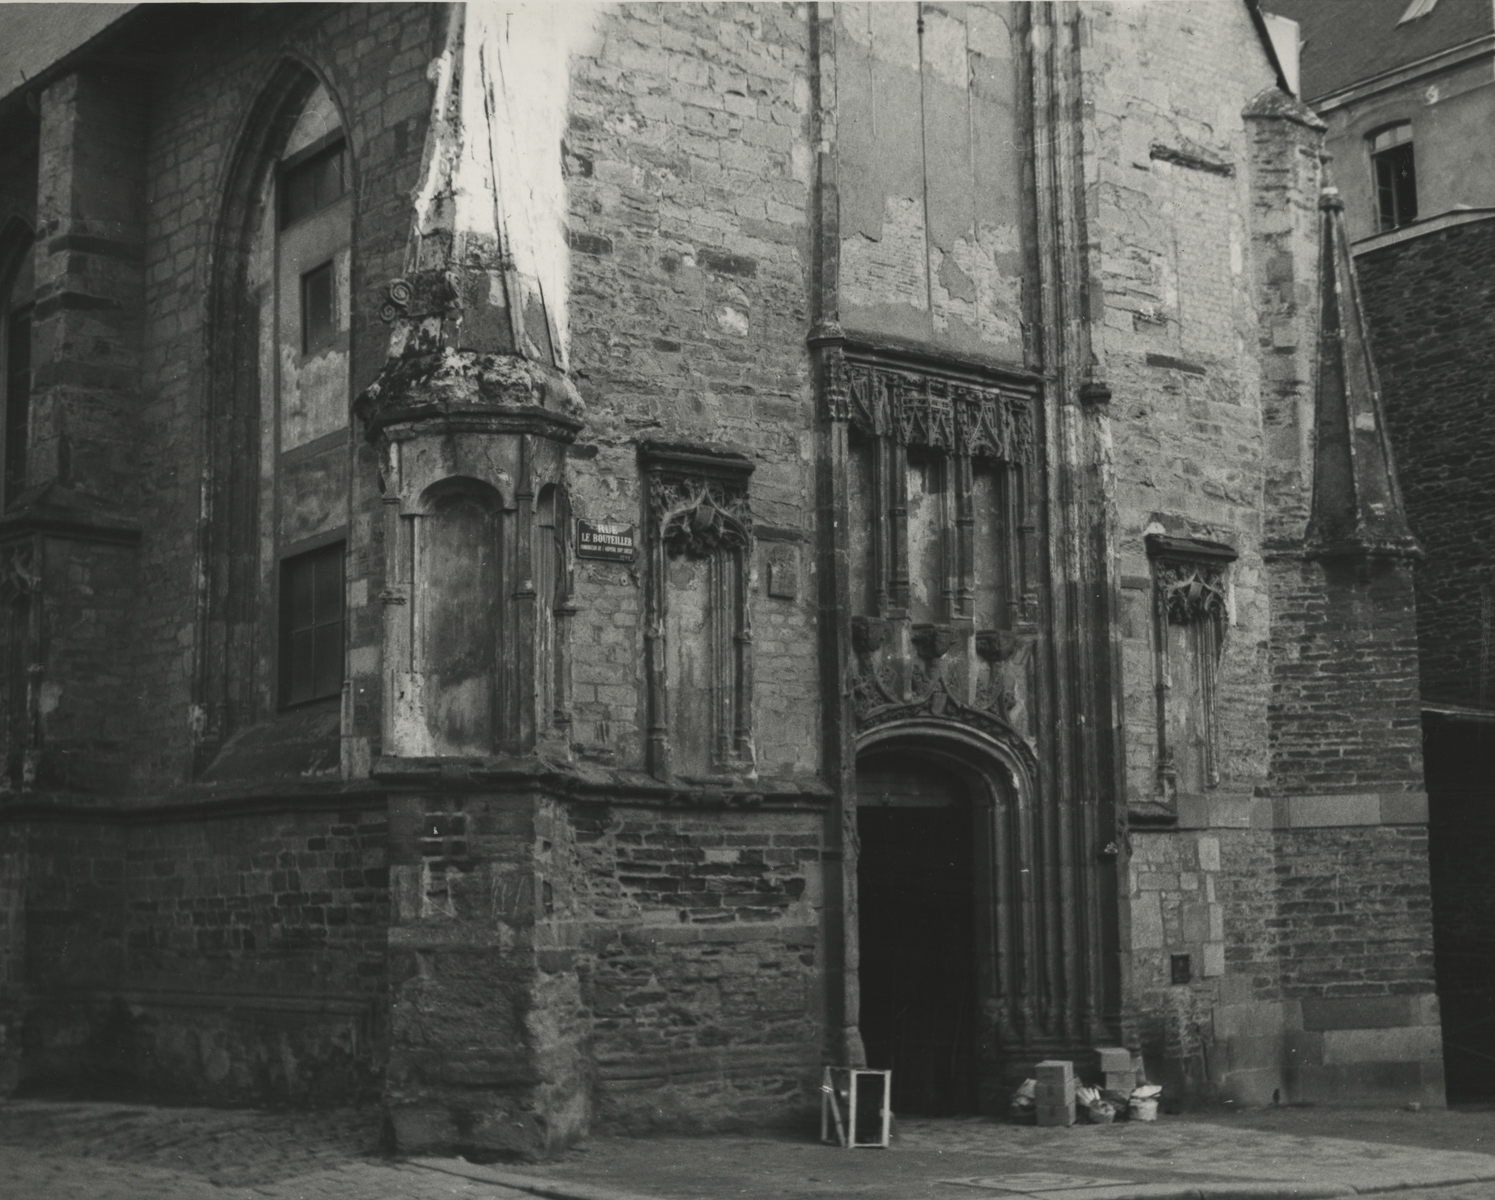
{"points": [[1302, 812]]}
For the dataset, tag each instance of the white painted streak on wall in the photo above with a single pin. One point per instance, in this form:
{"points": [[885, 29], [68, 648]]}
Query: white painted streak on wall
{"points": [[491, 169], [527, 50]]}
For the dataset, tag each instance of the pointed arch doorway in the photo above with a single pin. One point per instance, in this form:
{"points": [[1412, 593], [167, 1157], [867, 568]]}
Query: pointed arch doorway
{"points": [[920, 873]]}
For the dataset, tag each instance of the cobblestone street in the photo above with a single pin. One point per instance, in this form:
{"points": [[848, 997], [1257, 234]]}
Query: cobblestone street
{"points": [[120, 1151], [51, 1151]]}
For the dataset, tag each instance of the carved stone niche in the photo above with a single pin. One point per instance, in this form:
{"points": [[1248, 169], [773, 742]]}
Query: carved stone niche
{"points": [[698, 627], [941, 521], [478, 592], [1190, 616]]}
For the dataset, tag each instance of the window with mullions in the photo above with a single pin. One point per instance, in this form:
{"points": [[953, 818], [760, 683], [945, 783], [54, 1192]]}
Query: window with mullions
{"points": [[1395, 175], [311, 626], [308, 186]]}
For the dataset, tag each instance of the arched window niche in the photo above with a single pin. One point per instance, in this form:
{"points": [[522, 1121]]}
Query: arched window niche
{"points": [[477, 601], [278, 432], [457, 545], [1191, 614], [699, 628]]}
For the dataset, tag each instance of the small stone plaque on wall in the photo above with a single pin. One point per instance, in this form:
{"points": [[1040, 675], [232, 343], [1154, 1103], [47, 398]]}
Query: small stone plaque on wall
{"points": [[604, 540], [783, 574]]}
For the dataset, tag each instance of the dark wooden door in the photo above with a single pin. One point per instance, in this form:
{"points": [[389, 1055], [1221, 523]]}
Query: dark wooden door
{"points": [[916, 930]]}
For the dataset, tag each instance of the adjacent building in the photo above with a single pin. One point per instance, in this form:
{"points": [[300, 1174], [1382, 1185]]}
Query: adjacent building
{"points": [[1408, 94], [566, 566]]}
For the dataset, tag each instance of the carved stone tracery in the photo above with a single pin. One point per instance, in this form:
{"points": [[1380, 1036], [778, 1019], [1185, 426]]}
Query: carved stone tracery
{"points": [[941, 530], [697, 516], [1191, 591], [982, 420]]}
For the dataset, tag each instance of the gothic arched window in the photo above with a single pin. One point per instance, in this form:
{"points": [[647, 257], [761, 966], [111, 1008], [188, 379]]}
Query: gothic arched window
{"points": [[279, 425]]}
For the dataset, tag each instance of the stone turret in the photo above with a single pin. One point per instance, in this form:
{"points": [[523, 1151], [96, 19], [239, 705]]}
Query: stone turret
{"points": [[1357, 503], [473, 410]]}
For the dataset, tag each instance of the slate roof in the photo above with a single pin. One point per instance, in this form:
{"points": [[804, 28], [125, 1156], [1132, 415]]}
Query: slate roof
{"points": [[1347, 41], [34, 36]]}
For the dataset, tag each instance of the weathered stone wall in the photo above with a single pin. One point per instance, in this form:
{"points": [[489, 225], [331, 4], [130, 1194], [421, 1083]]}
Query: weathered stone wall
{"points": [[935, 231], [1316, 680], [621, 967], [1175, 206], [1176, 910], [84, 707], [87, 319], [688, 174], [241, 959], [1167, 173], [232, 957], [580, 944], [1352, 919], [467, 1063], [374, 60]]}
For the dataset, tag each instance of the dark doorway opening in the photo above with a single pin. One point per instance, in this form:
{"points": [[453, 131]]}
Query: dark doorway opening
{"points": [[916, 931], [1459, 761]]}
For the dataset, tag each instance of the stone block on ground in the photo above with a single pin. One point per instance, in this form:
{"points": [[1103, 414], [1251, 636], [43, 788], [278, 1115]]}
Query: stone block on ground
{"points": [[1054, 1070]]}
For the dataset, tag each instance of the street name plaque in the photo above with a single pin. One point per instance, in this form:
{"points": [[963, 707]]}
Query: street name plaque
{"points": [[604, 540]]}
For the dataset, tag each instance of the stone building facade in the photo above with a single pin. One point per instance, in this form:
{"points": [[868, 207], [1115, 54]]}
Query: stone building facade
{"points": [[569, 566]]}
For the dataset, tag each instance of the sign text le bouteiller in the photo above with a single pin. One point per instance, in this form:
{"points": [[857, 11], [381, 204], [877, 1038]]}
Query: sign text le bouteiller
{"points": [[605, 540]]}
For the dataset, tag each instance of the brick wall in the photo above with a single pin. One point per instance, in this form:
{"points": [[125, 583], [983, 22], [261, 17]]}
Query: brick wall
{"points": [[702, 959], [1354, 912], [627, 968], [1344, 698], [1430, 310]]}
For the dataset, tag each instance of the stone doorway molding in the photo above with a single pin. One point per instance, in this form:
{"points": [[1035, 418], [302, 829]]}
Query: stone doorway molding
{"points": [[1027, 969]]}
